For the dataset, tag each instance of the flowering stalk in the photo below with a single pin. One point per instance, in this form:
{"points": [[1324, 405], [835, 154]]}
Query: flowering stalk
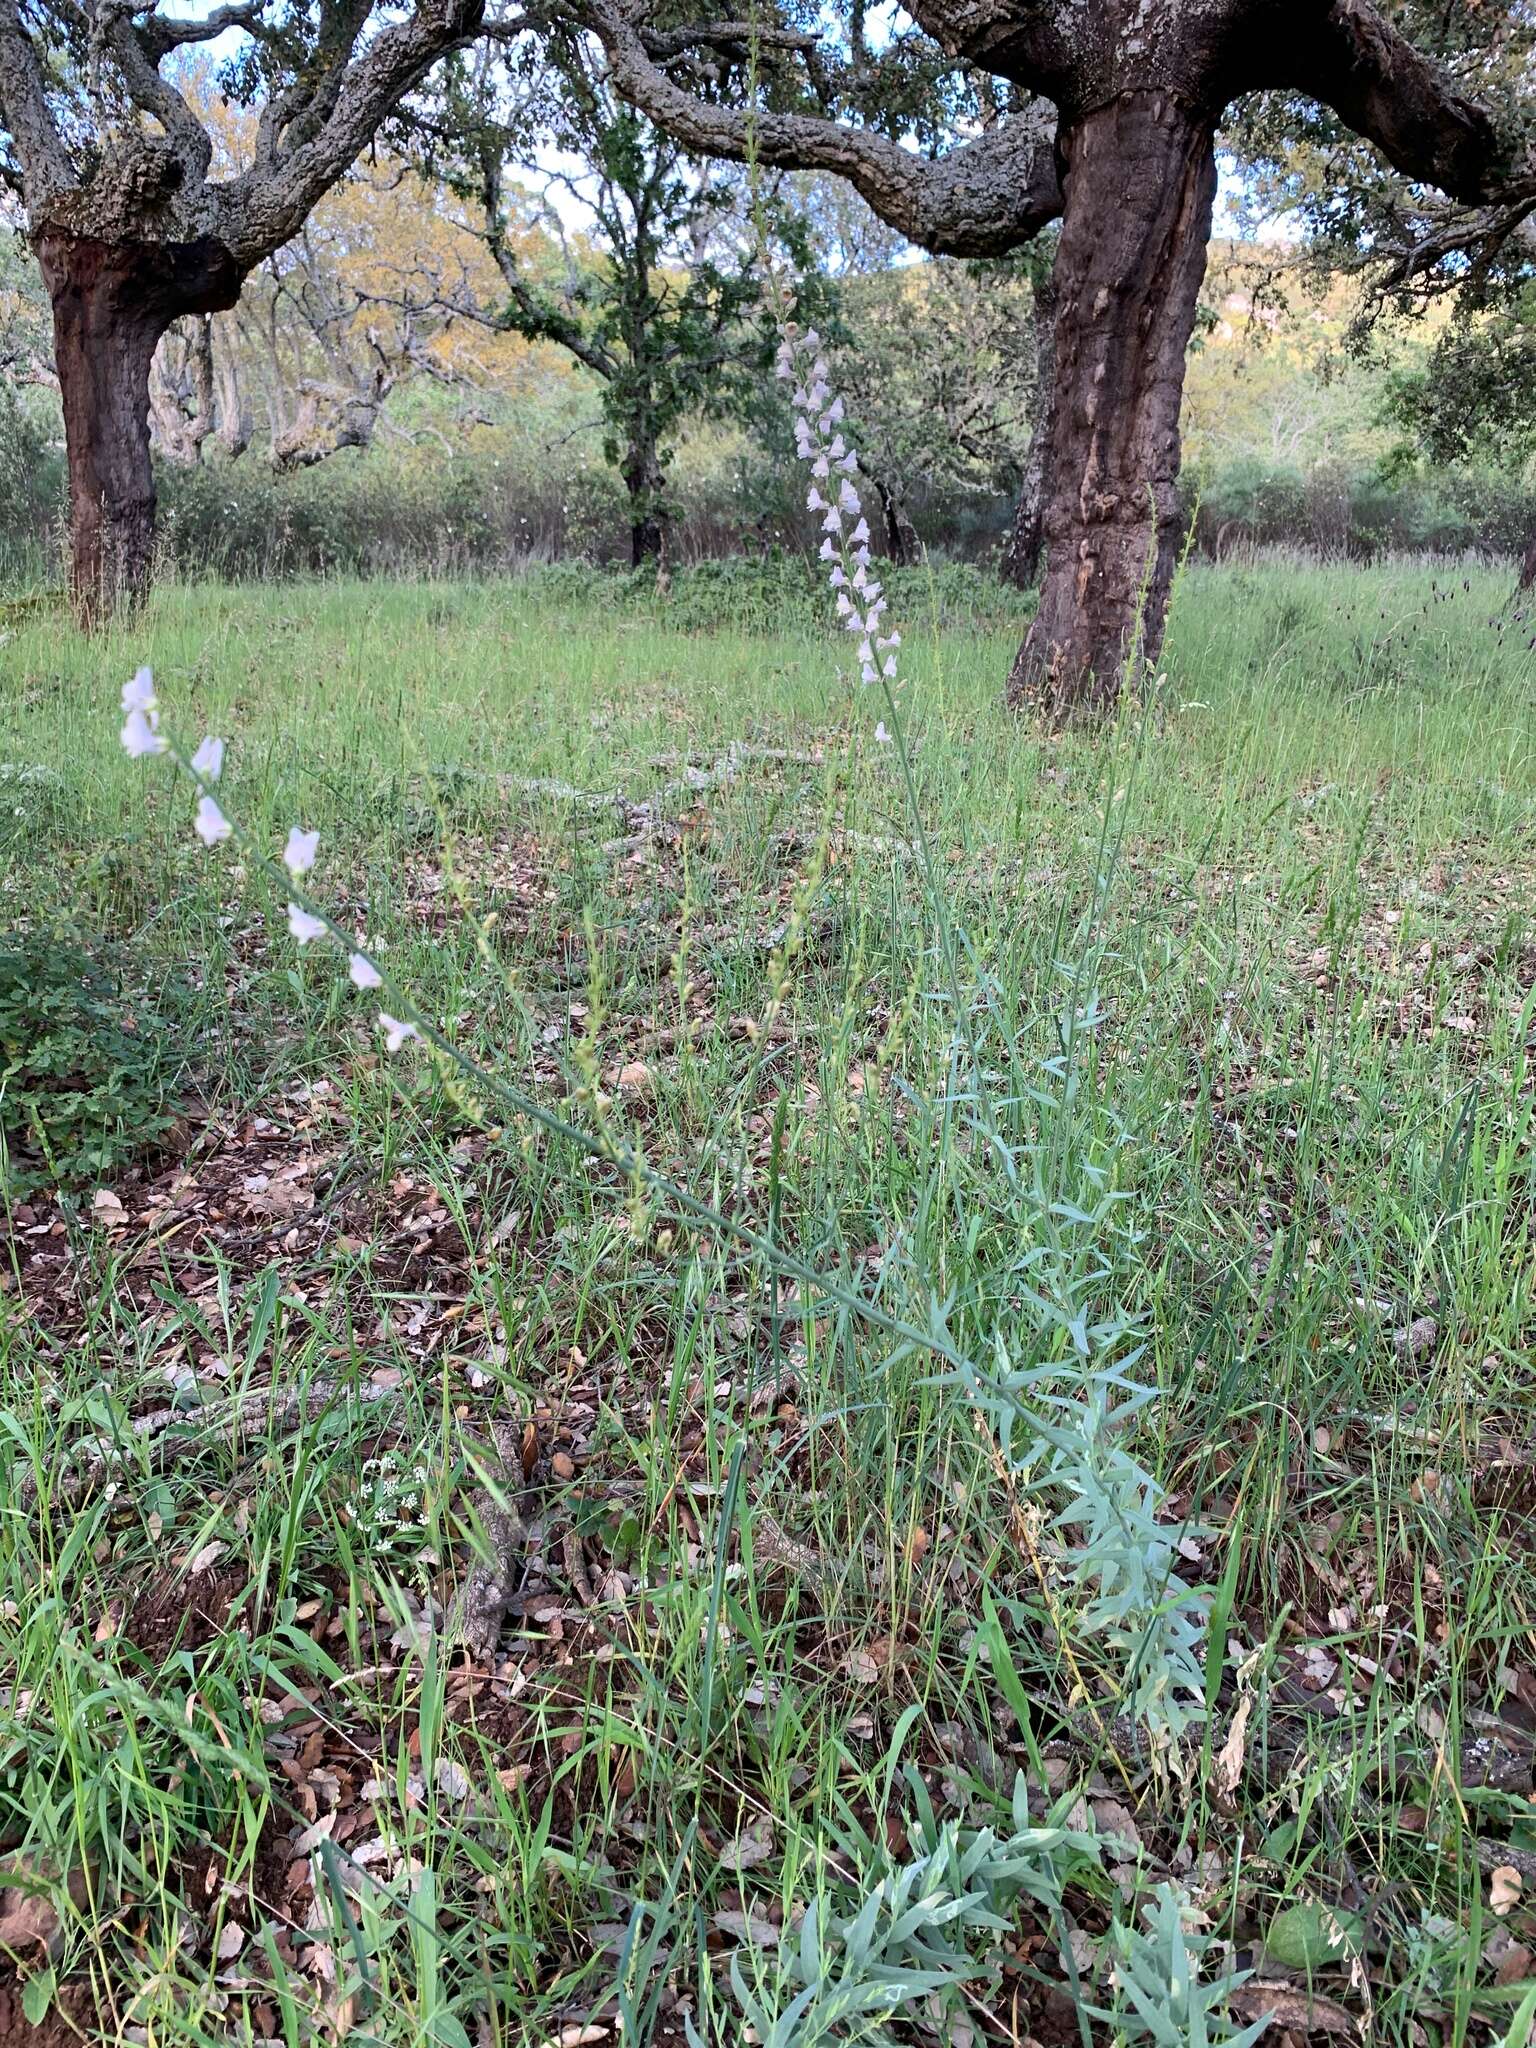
{"points": [[308, 920], [859, 598]]}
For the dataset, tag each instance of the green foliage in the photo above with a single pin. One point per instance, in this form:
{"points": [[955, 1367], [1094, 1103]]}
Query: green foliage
{"points": [[1161, 1997], [31, 461], [1475, 397], [81, 1091], [662, 302], [782, 592], [937, 363], [906, 1937], [1360, 511]]}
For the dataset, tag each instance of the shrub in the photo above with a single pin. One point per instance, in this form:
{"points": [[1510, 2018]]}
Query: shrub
{"points": [[81, 1091]]}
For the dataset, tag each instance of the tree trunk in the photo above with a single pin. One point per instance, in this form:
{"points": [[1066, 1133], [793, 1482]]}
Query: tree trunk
{"points": [[1026, 544], [900, 542], [174, 385], [1528, 567], [112, 301], [641, 472], [1140, 181]]}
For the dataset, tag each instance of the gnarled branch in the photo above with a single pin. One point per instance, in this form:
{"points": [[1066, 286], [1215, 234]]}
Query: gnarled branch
{"points": [[1355, 62], [984, 198]]}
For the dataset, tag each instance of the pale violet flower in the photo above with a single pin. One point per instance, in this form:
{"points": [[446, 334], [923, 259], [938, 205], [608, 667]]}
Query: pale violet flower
{"points": [[208, 761], [139, 692], [860, 538], [396, 1031], [881, 735], [847, 496], [299, 853], [139, 735], [303, 926], [362, 972], [210, 823]]}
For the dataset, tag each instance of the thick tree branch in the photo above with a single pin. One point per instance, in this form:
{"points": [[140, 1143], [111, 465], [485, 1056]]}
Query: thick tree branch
{"points": [[263, 207], [158, 37], [722, 35], [24, 110], [983, 198], [1355, 62]]}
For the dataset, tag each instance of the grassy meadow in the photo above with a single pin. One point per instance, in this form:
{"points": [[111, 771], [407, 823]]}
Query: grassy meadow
{"points": [[1192, 1057]]}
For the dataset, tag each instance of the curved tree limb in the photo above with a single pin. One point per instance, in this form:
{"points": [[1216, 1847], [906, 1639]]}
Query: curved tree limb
{"points": [[984, 198], [1355, 62], [160, 37], [265, 205], [45, 165]]}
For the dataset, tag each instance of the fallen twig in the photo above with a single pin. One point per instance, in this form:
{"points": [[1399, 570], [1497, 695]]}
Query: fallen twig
{"points": [[155, 1430], [474, 1620]]}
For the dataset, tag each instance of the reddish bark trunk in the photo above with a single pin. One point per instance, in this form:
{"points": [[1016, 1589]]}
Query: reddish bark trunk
{"points": [[1140, 181], [1528, 567], [111, 303]]}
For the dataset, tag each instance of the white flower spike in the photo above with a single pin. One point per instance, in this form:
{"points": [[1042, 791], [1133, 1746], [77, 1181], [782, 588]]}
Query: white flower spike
{"points": [[299, 853]]}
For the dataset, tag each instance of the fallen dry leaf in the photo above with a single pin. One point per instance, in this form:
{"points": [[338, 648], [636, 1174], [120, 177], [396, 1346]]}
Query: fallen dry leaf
{"points": [[1284, 2006], [752, 1846], [755, 1928], [1229, 1758]]}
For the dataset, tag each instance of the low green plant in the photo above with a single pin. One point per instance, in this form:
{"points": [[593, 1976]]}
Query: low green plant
{"points": [[82, 1089], [904, 1939], [1161, 1997]]}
